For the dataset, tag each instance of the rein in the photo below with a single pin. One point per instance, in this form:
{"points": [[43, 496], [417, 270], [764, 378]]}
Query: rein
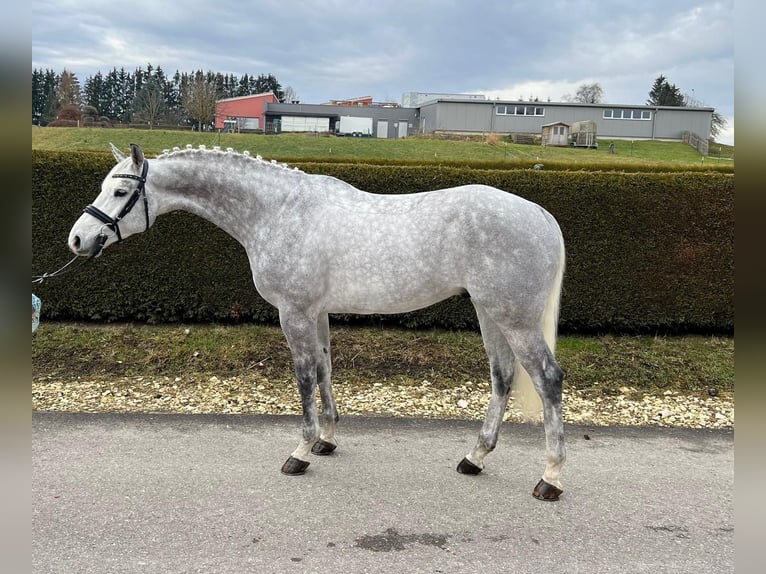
{"points": [[108, 221]]}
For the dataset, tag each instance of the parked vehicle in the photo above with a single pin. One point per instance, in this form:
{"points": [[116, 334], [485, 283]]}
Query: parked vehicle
{"points": [[354, 126]]}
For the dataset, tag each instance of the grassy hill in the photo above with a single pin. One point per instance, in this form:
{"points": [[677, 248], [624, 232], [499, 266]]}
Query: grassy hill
{"points": [[287, 147]]}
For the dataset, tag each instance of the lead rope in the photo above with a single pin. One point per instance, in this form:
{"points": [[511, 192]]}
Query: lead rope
{"points": [[62, 271], [66, 267]]}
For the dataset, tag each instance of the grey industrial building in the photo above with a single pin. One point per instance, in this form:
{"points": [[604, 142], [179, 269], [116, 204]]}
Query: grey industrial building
{"points": [[387, 121], [612, 120], [476, 115]]}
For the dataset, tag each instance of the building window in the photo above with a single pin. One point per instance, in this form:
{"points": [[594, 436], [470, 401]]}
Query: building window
{"points": [[625, 114], [520, 111]]}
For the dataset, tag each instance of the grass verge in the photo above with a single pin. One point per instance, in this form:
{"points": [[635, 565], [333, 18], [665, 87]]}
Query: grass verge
{"points": [[293, 147], [596, 366]]}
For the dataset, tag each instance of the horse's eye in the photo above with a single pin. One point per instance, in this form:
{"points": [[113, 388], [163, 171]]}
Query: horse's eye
{"points": [[120, 192]]}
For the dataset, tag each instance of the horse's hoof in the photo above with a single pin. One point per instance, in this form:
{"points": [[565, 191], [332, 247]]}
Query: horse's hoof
{"points": [[467, 467], [546, 491], [323, 448], [294, 466]]}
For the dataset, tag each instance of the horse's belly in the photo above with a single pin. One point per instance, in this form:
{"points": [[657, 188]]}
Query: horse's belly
{"points": [[380, 294]]}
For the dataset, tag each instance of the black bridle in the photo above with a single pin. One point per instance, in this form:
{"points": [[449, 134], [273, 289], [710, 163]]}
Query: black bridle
{"points": [[113, 222]]}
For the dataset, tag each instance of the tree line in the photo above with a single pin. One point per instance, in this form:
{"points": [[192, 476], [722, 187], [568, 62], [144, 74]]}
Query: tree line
{"points": [[145, 96]]}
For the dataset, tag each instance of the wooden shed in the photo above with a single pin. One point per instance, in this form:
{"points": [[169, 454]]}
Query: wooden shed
{"points": [[556, 134]]}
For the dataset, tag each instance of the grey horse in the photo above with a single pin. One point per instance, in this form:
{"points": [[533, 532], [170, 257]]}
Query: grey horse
{"points": [[318, 245]]}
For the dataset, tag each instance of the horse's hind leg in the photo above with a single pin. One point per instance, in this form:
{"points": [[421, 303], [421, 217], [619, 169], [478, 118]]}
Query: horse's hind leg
{"points": [[326, 443], [501, 362], [538, 360]]}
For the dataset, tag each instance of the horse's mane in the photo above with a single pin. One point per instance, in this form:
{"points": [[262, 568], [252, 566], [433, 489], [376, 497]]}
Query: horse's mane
{"points": [[216, 152]]}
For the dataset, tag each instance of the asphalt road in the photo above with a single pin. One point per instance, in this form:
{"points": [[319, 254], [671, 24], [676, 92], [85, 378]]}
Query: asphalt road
{"points": [[198, 493]]}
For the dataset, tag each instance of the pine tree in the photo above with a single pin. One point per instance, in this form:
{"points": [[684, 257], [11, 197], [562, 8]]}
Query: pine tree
{"points": [[665, 94], [44, 105], [268, 83]]}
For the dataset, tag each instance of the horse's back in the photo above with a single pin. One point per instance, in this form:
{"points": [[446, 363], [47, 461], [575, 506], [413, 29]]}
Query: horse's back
{"points": [[468, 220], [486, 218], [444, 203], [450, 234]]}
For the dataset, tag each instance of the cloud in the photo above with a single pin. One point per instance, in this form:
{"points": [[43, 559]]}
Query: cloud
{"points": [[542, 90], [727, 134]]}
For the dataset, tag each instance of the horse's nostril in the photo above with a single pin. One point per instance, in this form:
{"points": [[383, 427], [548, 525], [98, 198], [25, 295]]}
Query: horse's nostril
{"points": [[76, 242]]}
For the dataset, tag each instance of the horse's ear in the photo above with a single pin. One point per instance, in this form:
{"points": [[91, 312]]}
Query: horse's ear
{"points": [[136, 154], [118, 155]]}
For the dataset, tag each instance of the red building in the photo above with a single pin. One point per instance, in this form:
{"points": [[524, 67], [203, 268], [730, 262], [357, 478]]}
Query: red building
{"points": [[243, 113]]}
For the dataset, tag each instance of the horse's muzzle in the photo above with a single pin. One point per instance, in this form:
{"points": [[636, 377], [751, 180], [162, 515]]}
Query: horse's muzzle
{"points": [[87, 248], [74, 244]]}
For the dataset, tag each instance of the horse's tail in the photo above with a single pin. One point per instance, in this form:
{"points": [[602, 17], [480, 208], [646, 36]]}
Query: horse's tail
{"points": [[551, 315], [525, 397]]}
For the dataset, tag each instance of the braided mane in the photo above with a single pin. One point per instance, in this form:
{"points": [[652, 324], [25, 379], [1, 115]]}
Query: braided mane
{"points": [[203, 150]]}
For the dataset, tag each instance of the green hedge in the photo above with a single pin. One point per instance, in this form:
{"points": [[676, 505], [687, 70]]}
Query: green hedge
{"points": [[646, 252], [517, 163]]}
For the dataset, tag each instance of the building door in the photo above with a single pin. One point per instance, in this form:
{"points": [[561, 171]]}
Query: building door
{"points": [[382, 129], [559, 136], [402, 131]]}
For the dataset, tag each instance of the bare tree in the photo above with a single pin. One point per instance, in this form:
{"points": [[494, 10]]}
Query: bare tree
{"points": [[290, 95], [586, 94], [718, 123], [149, 104], [199, 100], [589, 93]]}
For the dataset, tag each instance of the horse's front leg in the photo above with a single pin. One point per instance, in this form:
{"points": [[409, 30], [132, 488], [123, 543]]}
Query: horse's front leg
{"points": [[301, 332], [326, 443]]}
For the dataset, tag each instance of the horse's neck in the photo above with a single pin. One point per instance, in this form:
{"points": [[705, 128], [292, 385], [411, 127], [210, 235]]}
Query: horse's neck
{"points": [[231, 195]]}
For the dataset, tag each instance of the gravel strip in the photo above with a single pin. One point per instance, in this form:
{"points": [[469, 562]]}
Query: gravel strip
{"points": [[467, 401]]}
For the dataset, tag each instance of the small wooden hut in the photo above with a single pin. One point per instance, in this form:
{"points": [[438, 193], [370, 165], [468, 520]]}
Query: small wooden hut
{"points": [[556, 134]]}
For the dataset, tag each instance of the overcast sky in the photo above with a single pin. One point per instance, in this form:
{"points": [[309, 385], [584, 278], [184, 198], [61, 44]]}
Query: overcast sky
{"points": [[330, 49]]}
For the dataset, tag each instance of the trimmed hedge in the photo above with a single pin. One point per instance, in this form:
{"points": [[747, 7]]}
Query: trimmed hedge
{"points": [[516, 163], [646, 252]]}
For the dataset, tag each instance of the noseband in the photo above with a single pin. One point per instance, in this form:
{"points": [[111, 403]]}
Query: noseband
{"points": [[140, 191]]}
